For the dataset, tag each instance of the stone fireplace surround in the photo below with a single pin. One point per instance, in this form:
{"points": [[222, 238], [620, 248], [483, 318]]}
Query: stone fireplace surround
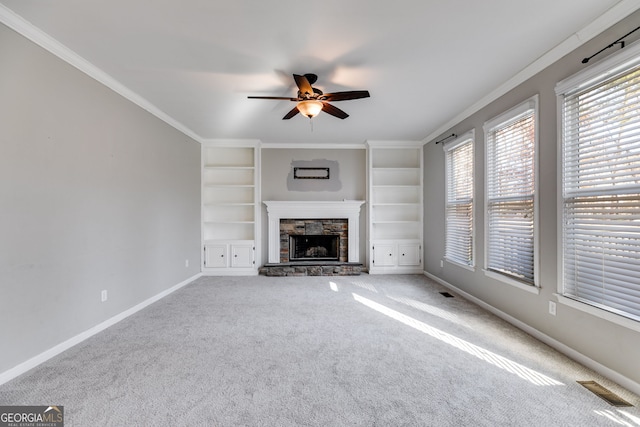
{"points": [[295, 228], [348, 210]]}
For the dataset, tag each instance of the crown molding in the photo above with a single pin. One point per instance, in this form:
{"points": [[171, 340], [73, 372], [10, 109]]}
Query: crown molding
{"points": [[315, 146], [45, 41], [611, 17]]}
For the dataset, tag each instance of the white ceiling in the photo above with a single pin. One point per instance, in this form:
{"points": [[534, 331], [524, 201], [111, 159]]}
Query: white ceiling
{"points": [[194, 62]]}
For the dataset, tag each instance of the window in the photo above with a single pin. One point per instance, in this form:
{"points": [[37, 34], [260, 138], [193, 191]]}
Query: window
{"points": [[459, 210], [510, 193], [600, 170]]}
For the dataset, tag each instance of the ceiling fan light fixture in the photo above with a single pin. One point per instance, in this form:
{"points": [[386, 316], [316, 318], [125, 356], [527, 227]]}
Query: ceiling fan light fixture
{"points": [[310, 107]]}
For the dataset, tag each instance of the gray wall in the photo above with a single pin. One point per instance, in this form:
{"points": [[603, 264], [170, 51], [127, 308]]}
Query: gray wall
{"points": [[276, 166], [610, 345], [95, 193]]}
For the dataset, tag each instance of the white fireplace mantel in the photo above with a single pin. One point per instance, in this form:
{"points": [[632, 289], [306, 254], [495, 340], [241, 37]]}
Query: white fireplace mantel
{"points": [[347, 209]]}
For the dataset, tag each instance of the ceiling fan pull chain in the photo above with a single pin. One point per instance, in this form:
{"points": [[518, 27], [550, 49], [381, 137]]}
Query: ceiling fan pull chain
{"points": [[311, 124]]}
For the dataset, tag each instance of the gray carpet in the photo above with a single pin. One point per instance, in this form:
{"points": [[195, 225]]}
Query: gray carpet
{"points": [[316, 351]]}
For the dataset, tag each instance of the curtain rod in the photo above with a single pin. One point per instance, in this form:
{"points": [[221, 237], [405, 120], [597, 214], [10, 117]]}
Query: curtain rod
{"points": [[453, 135], [620, 41]]}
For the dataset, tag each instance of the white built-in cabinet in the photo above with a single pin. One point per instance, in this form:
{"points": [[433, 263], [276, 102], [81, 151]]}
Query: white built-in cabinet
{"points": [[230, 208], [395, 207]]}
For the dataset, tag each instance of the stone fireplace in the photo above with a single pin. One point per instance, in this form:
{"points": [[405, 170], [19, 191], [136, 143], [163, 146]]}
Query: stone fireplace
{"points": [[314, 247], [314, 240], [323, 218]]}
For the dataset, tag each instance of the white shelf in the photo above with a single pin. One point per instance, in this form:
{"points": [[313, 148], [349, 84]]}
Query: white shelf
{"points": [[227, 222], [395, 158], [228, 167], [395, 222], [395, 207], [228, 157], [229, 185], [230, 195], [213, 204], [395, 186]]}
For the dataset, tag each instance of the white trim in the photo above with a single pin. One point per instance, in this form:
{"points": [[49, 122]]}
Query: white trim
{"points": [[459, 140], [229, 271], [531, 103], [63, 346], [618, 378], [315, 146], [512, 282], [614, 15], [600, 71], [617, 63], [599, 312], [459, 264], [447, 147], [349, 209], [239, 143], [45, 41], [512, 115], [394, 144]]}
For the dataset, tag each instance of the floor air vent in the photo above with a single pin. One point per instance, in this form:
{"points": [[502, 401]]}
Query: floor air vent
{"points": [[609, 396], [446, 294]]}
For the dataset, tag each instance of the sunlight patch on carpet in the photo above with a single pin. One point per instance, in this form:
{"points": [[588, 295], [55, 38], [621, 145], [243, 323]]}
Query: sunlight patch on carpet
{"points": [[364, 285], [436, 311], [501, 362], [619, 418]]}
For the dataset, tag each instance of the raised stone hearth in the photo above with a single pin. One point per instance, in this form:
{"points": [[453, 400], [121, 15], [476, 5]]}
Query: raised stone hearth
{"points": [[318, 268]]}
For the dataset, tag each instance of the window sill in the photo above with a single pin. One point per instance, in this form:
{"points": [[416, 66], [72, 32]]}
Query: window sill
{"points": [[504, 279], [599, 312], [459, 264]]}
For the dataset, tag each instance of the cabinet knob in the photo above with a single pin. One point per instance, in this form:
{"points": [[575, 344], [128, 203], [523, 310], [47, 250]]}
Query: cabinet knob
{"points": [[221, 256]]}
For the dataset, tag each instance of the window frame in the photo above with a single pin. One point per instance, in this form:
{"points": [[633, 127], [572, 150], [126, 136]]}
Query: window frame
{"points": [[503, 120], [619, 63], [449, 147]]}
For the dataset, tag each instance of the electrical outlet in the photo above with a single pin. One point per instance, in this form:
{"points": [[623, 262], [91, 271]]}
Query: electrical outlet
{"points": [[552, 308], [103, 296], [186, 263]]}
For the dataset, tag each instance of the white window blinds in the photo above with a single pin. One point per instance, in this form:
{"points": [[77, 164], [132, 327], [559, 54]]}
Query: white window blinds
{"points": [[601, 191], [459, 210], [511, 181]]}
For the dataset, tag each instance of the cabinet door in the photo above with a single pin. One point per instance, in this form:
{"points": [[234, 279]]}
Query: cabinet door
{"points": [[383, 255], [215, 256], [241, 255], [409, 254]]}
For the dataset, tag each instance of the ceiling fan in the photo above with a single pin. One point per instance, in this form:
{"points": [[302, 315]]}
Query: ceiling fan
{"points": [[311, 100]]}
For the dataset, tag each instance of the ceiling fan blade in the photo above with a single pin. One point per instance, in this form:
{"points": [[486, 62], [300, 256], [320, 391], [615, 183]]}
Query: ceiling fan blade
{"points": [[273, 97], [291, 113], [344, 96], [311, 78], [334, 111], [303, 84]]}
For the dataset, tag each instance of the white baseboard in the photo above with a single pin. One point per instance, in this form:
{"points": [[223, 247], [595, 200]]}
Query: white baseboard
{"points": [[54, 351], [552, 342]]}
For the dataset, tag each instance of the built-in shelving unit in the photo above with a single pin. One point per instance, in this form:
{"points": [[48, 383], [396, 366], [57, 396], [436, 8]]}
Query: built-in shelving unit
{"points": [[230, 208], [395, 206]]}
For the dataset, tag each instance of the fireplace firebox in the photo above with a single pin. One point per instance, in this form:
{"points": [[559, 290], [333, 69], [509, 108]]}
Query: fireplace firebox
{"points": [[314, 247]]}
